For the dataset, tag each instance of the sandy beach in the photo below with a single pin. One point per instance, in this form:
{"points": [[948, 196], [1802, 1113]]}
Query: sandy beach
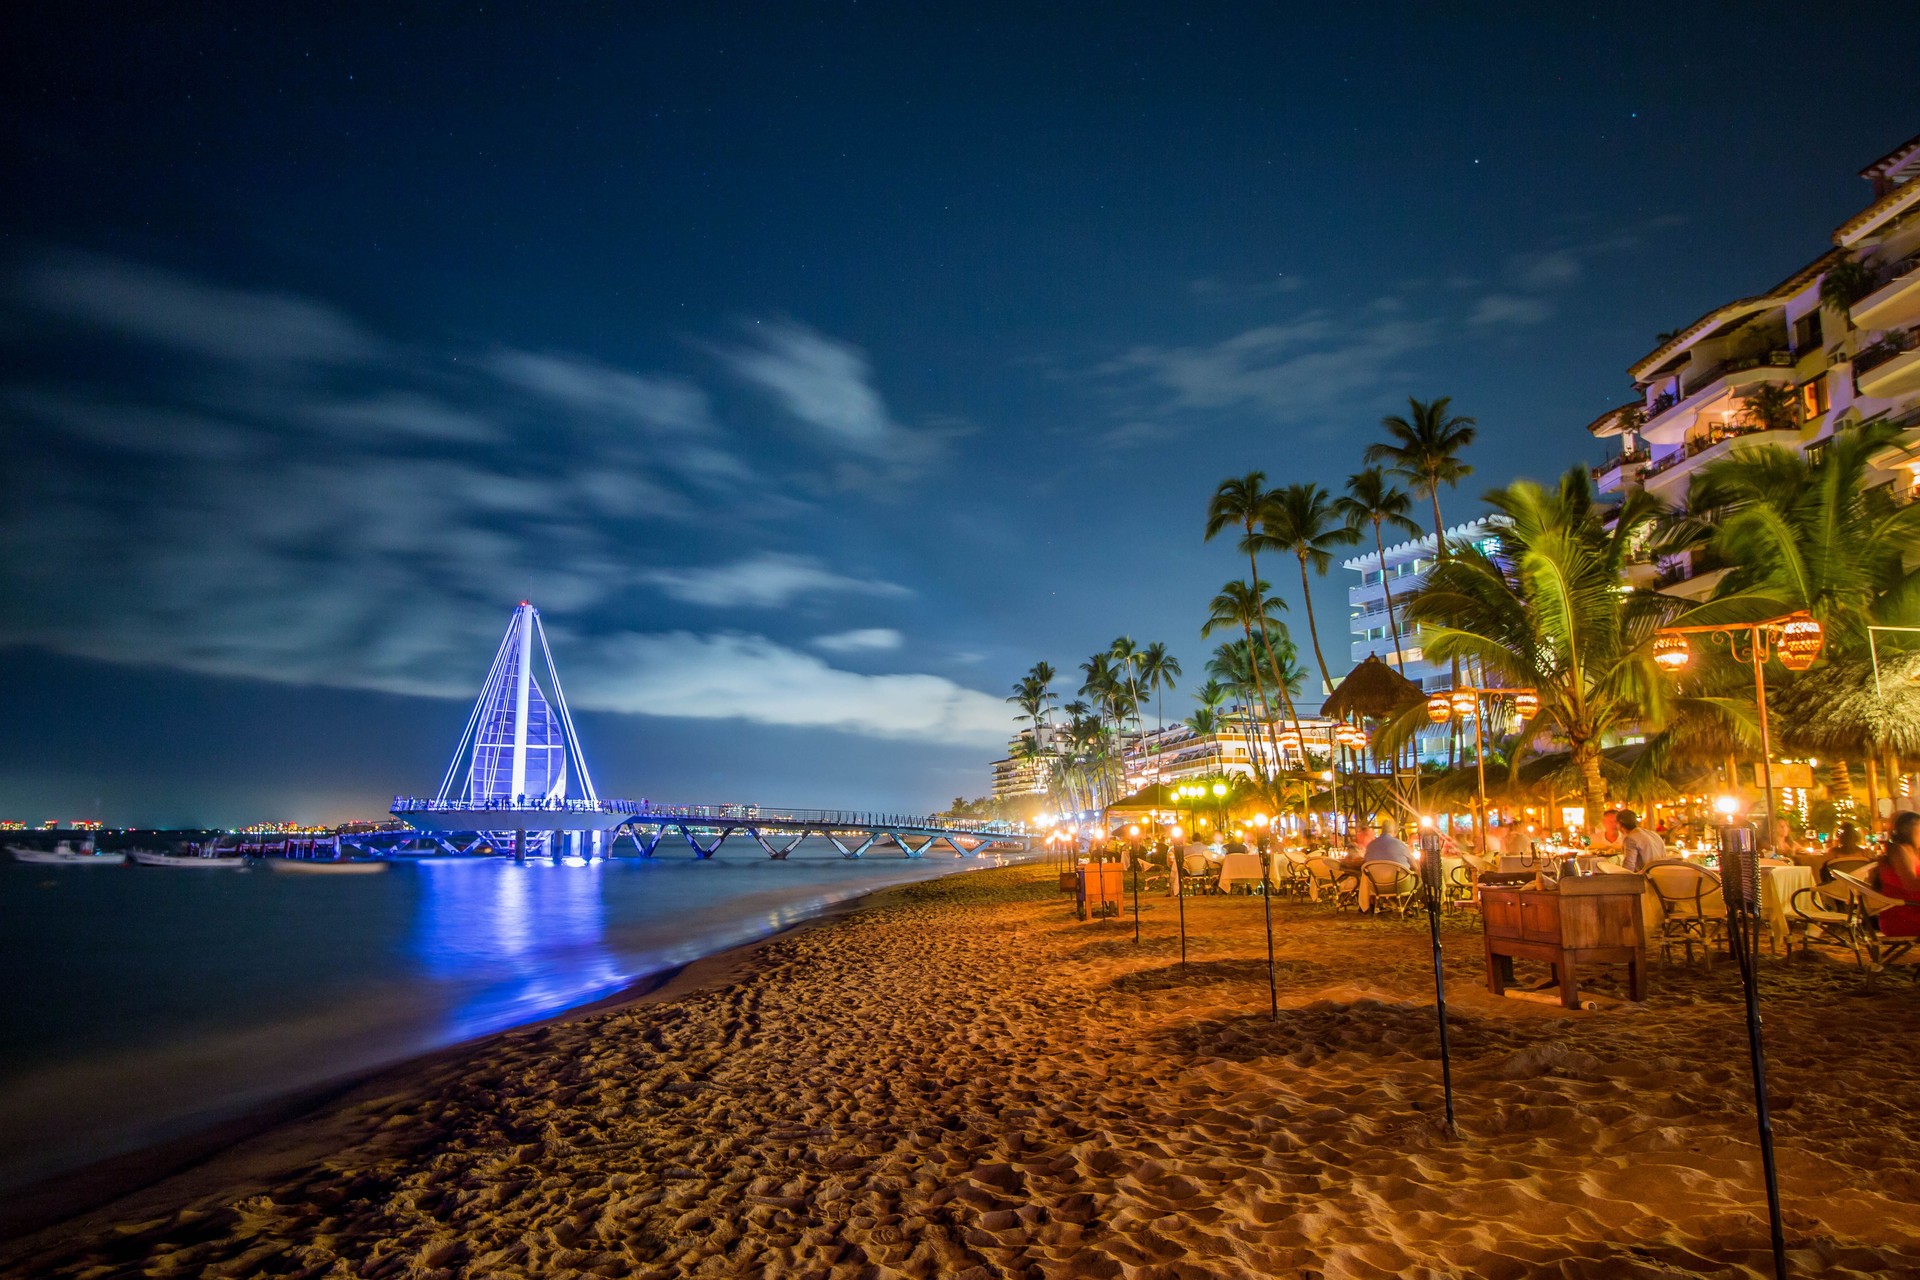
{"points": [[959, 1078]]}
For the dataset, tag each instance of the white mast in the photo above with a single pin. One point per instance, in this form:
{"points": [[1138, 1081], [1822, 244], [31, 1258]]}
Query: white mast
{"points": [[525, 622]]}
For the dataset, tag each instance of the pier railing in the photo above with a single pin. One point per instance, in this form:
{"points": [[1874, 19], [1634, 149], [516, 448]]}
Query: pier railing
{"points": [[731, 814]]}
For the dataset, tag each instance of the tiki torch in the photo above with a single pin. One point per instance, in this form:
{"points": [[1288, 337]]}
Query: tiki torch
{"points": [[1433, 878], [1739, 883]]}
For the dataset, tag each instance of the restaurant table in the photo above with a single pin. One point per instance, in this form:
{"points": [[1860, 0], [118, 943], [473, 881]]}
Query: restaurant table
{"points": [[1778, 884], [1237, 868]]}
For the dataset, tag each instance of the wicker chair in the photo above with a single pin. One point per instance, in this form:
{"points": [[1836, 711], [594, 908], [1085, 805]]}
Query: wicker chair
{"points": [[1693, 908], [1391, 887], [1329, 879]]}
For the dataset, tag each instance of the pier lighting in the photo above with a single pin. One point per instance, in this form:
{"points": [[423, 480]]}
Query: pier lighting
{"points": [[1439, 709]]}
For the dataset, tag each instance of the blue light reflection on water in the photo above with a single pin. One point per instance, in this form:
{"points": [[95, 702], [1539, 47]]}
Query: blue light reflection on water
{"points": [[150, 1003]]}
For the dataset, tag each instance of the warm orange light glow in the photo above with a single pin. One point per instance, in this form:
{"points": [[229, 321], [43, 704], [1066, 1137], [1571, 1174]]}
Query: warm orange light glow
{"points": [[1439, 709], [1801, 640], [1672, 653]]}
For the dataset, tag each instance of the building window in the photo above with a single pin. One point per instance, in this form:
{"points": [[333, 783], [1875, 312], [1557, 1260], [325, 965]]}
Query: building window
{"points": [[1813, 397], [1806, 332]]}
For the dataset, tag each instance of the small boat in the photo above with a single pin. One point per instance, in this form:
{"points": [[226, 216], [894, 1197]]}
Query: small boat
{"points": [[65, 855], [148, 858], [325, 867]]}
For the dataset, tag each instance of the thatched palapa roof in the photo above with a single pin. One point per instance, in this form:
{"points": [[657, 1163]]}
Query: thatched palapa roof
{"points": [[1372, 690]]}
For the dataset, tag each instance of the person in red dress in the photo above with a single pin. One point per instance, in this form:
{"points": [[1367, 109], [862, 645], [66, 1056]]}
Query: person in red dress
{"points": [[1898, 876]]}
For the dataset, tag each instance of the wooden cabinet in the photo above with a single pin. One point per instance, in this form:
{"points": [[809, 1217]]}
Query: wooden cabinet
{"points": [[1583, 920]]}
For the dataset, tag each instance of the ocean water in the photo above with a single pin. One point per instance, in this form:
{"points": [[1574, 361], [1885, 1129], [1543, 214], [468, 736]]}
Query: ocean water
{"points": [[145, 1004]]}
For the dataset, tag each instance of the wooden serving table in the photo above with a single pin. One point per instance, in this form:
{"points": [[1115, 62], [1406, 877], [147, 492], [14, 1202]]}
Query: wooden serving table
{"points": [[1584, 920]]}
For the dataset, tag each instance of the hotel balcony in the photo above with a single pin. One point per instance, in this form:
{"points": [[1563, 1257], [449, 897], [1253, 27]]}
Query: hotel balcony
{"points": [[1613, 474], [1716, 389], [1665, 476], [1895, 302], [1889, 367]]}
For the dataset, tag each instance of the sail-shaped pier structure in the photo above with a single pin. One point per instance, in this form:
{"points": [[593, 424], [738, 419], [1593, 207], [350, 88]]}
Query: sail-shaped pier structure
{"points": [[519, 760], [519, 784]]}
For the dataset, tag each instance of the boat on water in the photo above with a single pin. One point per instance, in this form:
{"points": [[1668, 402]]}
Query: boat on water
{"points": [[327, 867], [65, 855], [204, 861]]}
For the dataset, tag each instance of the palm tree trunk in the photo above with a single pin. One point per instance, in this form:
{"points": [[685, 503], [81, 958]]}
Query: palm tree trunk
{"points": [[1593, 787], [1253, 658], [1313, 628], [1440, 553], [1392, 626], [1840, 785]]}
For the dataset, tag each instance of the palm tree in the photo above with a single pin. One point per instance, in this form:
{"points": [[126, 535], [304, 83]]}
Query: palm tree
{"points": [[1300, 518], [1126, 657], [1158, 671], [1254, 612], [1211, 694], [1031, 697], [1811, 536], [1425, 452], [1203, 721], [1237, 502], [1371, 500], [1550, 614], [1845, 283], [1771, 407]]}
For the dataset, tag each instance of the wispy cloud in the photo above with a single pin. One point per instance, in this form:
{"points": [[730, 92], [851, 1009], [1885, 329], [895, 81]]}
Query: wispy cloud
{"points": [[823, 382], [1508, 308], [729, 676], [665, 404], [316, 505], [769, 580], [1292, 370], [860, 640], [176, 311]]}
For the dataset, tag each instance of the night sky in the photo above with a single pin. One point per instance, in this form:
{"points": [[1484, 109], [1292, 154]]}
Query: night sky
{"points": [[814, 368]]}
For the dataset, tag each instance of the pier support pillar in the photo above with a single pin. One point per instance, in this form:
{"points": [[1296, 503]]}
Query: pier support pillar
{"points": [[520, 846]]}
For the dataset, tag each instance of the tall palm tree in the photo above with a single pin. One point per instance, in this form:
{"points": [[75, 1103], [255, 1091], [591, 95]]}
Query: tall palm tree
{"points": [[1255, 613], [1236, 503], [1158, 672], [1550, 615], [1031, 697], [1370, 499], [1425, 451], [1044, 674], [1211, 694], [1203, 721], [1300, 518]]}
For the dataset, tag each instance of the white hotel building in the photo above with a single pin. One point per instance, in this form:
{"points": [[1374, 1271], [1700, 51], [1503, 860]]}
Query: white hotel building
{"points": [[1404, 571], [1863, 366]]}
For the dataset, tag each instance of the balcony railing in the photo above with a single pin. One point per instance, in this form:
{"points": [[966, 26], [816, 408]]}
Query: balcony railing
{"points": [[1627, 458], [1782, 358], [1896, 342], [1696, 445]]}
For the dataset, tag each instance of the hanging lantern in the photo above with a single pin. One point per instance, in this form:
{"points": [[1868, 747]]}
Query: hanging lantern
{"points": [[1526, 703], [1289, 740], [1438, 708], [1465, 703], [1356, 737], [1672, 653], [1800, 642]]}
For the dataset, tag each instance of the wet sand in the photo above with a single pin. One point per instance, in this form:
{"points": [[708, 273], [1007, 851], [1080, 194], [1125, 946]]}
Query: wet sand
{"points": [[961, 1079]]}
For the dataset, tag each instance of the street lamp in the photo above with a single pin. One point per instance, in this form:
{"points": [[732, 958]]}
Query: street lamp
{"points": [[1796, 638], [1466, 701]]}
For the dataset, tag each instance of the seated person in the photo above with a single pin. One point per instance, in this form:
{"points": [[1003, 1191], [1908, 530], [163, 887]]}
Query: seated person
{"points": [[1639, 847], [1388, 847], [1785, 843], [1608, 838], [1898, 876]]}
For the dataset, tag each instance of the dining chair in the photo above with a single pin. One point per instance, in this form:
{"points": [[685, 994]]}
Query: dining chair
{"points": [[1692, 908]]}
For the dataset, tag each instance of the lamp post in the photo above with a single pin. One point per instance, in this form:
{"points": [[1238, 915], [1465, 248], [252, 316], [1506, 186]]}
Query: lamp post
{"points": [[1466, 700], [1795, 638]]}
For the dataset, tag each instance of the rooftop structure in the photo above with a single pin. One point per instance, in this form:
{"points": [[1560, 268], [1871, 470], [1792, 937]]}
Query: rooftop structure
{"points": [[1695, 392]]}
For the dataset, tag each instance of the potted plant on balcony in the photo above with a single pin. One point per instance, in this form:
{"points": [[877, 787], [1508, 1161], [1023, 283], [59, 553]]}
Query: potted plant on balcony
{"points": [[1845, 283], [1770, 407]]}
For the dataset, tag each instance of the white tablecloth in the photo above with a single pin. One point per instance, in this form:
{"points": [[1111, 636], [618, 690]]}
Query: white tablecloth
{"points": [[1239, 868], [1777, 887]]}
